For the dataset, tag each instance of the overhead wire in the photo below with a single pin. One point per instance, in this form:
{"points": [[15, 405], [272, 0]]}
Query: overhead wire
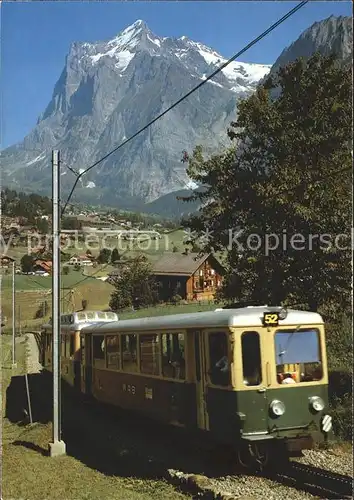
{"points": [[194, 89]]}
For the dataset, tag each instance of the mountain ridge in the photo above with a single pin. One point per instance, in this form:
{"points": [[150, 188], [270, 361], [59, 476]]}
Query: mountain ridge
{"points": [[110, 89]]}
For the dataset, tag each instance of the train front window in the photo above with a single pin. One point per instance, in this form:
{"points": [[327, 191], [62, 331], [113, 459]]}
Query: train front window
{"points": [[251, 358], [298, 356], [219, 359]]}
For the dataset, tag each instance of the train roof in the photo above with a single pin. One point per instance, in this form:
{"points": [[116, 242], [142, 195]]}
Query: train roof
{"points": [[246, 316], [77, 320]]}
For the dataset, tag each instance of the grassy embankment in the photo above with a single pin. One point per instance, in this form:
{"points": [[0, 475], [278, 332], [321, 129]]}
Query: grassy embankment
{"points": [[28, 473]]}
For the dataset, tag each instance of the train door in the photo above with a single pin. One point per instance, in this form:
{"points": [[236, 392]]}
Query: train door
{"points": [[253, 382], [200, 381]]}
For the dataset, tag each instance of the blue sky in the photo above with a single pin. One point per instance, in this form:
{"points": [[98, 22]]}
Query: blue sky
{"points": [[36, 37]]}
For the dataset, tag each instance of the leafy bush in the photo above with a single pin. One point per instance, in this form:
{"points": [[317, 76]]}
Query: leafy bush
{"points": [[135, 286], [339, 343], [342, 414], [176, 299]]}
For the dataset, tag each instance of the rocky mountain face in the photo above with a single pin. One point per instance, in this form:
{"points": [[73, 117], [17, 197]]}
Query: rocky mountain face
{"points": [[108, 91], [330, 36]]}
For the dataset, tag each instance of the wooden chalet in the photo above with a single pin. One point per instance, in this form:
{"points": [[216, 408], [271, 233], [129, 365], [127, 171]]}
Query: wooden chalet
{"points": [[189, 275]]}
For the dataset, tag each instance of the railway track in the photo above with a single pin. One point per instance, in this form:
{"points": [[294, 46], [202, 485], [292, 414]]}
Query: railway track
{"points": [[143, 447], [318, 482], [303, 478]]}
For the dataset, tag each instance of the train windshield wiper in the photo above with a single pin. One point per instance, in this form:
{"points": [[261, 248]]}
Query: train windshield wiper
{"points": [[281, 353]]}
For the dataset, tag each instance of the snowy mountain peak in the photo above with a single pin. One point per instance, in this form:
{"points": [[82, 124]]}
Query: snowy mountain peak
{"points": [[109, 89], [123, 47], [130, 34]]}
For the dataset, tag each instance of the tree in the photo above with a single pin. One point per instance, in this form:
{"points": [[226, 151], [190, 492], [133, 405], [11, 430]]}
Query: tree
{"points": [[134, 286], [42, 226], [104, 256], [115, 255], [71, 223], [27, 262], [42, 311], [272, 198]]}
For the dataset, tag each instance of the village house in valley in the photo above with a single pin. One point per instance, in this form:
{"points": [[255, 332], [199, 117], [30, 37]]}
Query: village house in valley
{"points": [[6, 261], [189, 275], [80, 260]]}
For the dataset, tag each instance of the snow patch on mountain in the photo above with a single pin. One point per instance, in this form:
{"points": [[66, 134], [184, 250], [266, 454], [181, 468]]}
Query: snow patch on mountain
{"points": [[35, 160], [123, 45], [235, 69], [191, 184]]}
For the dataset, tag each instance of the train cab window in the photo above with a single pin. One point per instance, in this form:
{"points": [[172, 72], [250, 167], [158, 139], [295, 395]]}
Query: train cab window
{"points": [[98, 351], [129, 353], [251, 358], [149, 354], [173, 358], [113, 352], [298, 356], [219, 373]]}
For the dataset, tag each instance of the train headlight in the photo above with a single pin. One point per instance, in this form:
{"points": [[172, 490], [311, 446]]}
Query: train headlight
{"points": [[317, 403], [277, 408]]}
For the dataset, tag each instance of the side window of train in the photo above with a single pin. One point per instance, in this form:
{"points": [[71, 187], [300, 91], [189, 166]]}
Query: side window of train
{"points": [[72, 344], [62, 338], [98, 351], [129, 353], [173, 357], [113, 352], [219, 372], [67, 346], [251, 358], [82, 345], [149, 354]]}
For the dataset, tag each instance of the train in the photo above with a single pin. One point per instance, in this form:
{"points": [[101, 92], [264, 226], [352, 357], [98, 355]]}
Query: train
{"points": [[253, 378]]}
